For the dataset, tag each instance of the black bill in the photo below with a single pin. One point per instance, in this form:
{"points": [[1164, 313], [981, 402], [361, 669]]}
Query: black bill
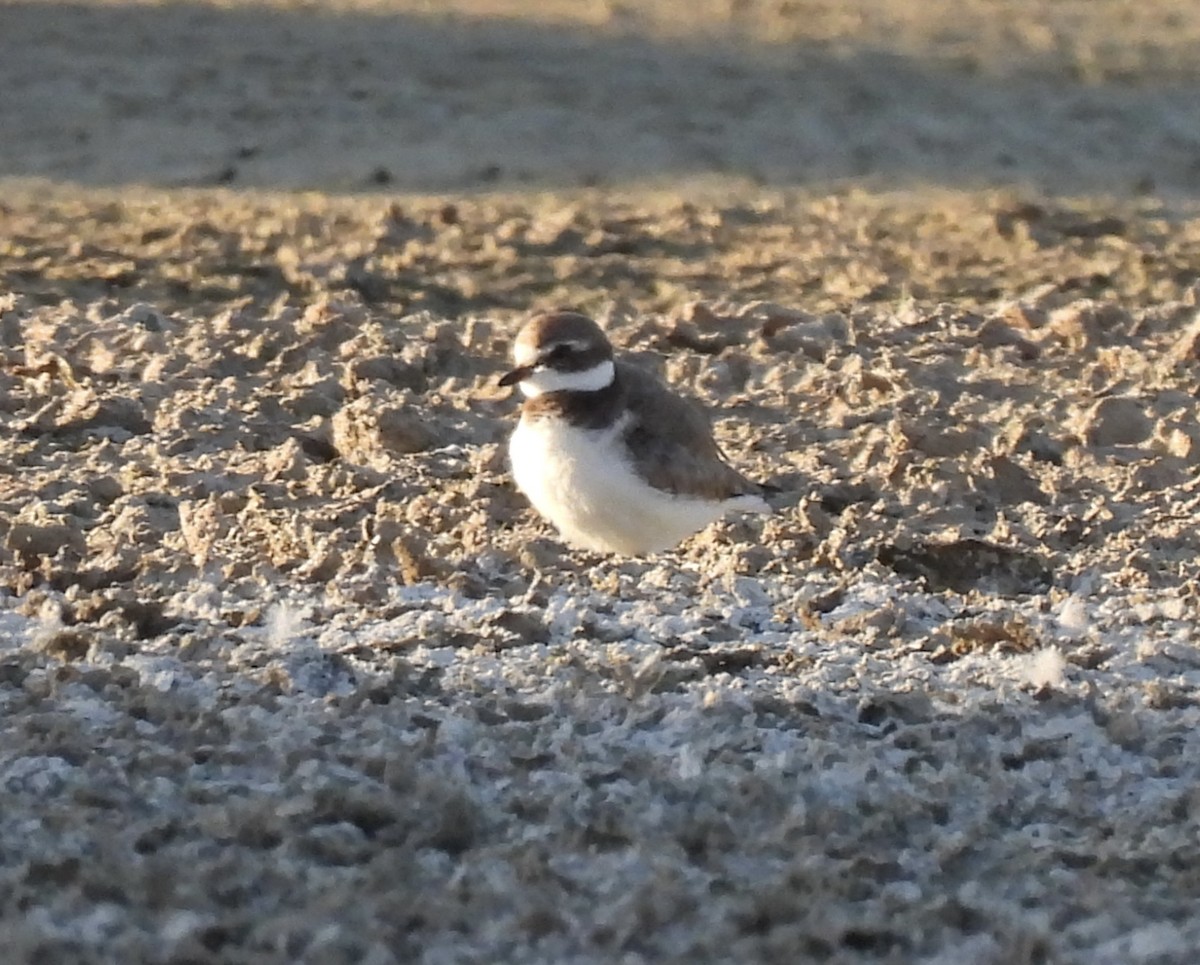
{"points": [[516, 375]]}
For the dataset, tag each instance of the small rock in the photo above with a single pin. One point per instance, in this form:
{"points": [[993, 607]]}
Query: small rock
{"points": [[525, 626], [941, 443], [120, 412], [1118, 421], [143, 315], [105, 489], [365, 433], [33, 541], [1086, 322], [997, 332], [287, 461], [685, 335], [321, 399], [1187, 346], [1014, 484], [701, 317], [480, 335], [401, 430], [66, 644], [388, 368], [1178, 440]]}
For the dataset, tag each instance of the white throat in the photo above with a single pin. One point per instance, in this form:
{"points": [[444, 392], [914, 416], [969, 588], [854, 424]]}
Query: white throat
{"points": [[541, 381]]}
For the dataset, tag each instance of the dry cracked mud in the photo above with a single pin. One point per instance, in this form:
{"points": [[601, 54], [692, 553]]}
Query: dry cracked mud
{"points": [[289, 672]]}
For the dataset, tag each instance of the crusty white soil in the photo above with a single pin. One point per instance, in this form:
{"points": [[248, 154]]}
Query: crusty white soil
{"points": [[290, 673]]}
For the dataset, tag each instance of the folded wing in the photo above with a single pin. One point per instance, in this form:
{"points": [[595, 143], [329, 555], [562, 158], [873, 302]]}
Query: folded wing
{"points": [[672, 444]]}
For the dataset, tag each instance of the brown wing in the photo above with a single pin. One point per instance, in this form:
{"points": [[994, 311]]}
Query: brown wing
{"points": [[672, 443]]}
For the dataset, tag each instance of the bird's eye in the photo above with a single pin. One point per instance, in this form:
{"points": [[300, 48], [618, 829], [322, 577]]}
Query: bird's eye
{"points": [[556, 353]]}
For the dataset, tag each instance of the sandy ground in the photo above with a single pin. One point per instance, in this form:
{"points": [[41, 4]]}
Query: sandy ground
{"points": [[279, 678], [1075, 95]]}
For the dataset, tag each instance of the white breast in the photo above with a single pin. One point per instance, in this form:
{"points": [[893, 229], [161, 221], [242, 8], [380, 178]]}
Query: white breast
{"points": [[582, 481]]}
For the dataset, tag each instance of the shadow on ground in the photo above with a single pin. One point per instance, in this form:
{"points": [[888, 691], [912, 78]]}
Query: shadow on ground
{"points": [[193, 94]]}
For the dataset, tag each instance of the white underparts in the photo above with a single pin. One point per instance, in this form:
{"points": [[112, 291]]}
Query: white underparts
{"points": [[543, 380], [583, 482]]}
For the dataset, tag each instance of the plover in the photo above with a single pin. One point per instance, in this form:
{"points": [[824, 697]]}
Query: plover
{"points": [[609, 454]]}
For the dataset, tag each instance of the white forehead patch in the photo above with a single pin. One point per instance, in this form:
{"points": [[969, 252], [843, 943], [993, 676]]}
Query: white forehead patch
{"points": [[541, 381], [524, 354]]}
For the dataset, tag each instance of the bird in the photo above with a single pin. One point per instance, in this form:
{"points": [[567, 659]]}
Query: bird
{"points": [[610, 455]]}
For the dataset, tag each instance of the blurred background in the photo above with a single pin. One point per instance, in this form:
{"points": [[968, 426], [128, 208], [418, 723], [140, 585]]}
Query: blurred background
{"points": [[1071, 96]]}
